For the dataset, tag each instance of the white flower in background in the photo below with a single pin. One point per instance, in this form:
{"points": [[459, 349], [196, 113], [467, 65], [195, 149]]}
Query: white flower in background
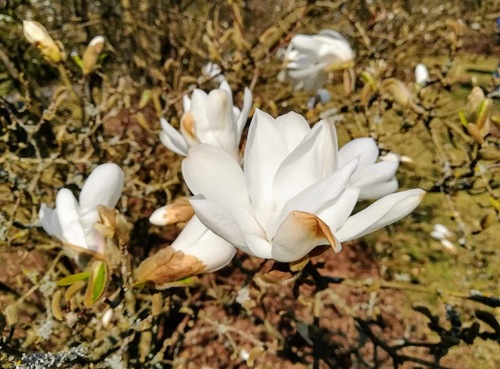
{"points": [[195, 250], [291, 196], [73, 221], [441, 233], [37, 35], [309, 58], [421, 74], [209, 118], [213, 71]]}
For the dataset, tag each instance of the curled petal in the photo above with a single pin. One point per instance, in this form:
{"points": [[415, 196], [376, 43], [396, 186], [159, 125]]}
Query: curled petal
{"points": [[168, 265], [245, 110], [196, 240], [172, 139], [299, 233], [387, 210]]}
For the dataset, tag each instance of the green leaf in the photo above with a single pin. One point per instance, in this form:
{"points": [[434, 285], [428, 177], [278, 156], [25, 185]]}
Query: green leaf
{"points": [[463, 119], [98, 282], [77, 59], [69, 280]]}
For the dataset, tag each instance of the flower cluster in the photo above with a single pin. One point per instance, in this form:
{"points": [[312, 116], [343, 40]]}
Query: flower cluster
{"points": [[292, 191]]}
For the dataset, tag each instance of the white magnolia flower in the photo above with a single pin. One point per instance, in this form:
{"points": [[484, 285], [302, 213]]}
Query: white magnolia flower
{"points": [[441, 233], [309, 57], [73, 222], [291, 196], [421, 74], [209, 118], [195, 250]]}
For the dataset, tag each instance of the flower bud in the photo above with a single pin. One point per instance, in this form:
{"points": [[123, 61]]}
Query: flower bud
{"points": [[38, 36], [91, 54]]}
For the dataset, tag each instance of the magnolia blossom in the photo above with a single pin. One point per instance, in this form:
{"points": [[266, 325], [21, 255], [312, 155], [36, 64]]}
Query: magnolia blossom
{"points": [[309, 57], [291, 196], [195, 250], [209, 118], [73, 221]]}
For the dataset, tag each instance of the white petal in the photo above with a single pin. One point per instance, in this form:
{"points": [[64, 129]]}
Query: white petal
{"points": [[304, 43], [294, 127], [378, 190], [220, 222], [186, 103], [69, 219], [364, 147], [317, 196], [210, 171], [199, 109], [299, 233], [50, 222], [311, 160], [245, 110], [383, 171], [211, 250], [191, 233], [265, 150], [224, 85], [387, 210], [220, 120], [258, 245], [172, 139], [104, 186], [336, 212]]}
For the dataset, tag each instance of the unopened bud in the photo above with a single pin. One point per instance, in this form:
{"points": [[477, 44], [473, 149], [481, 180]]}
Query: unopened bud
{"points": [[38, 36], [91, 54], [179, 211]]}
